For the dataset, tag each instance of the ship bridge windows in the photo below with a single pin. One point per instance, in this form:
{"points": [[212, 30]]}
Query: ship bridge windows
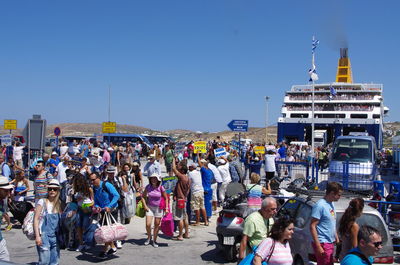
{"points": [[299, 115], [330, 115], [329, 107], [358, 116], [376, 116]]}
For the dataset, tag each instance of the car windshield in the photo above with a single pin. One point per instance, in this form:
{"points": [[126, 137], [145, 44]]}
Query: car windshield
{"points": [[352, 150]]}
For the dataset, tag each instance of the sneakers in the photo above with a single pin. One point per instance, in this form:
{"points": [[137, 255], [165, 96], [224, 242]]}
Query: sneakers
{"points": [[155, 244], [118, 244], [147, 242], [111, 251]]}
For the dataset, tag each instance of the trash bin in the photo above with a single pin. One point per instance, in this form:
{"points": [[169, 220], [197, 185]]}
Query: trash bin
{"points": [[379, 187]]}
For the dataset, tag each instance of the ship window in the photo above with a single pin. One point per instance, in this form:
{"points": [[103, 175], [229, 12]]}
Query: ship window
{"points": [[330, 116], [376, 116], [358, 116], [299, 115]]}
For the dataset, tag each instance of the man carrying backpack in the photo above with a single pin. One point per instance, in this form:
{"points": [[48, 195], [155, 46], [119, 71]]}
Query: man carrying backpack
{"points": [[105, 199], [121, 185]]}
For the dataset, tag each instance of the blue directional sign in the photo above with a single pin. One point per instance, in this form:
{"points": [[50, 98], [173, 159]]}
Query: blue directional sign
{"points": [[239, 125]]}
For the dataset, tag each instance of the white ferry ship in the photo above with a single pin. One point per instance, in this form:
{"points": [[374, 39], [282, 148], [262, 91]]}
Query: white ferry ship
{"points": [[339, 108]]}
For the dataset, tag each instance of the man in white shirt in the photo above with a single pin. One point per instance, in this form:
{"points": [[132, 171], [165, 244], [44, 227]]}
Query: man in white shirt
{"points": [[63, 149], [17, 154], [61, 168], [197, 194], [215, 186], [152, 167], [223, 168]]}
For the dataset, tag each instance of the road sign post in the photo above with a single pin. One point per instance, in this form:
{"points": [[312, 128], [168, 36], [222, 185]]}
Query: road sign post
{"points": [[239, 126], [10, 125], [109, 127]]}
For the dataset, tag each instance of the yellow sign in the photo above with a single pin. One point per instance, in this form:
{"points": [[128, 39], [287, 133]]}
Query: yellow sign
{"points": [[109, 127], [200, 147], [259, 150], [10, 124]]}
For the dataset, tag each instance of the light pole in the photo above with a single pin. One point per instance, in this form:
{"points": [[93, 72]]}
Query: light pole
{"points": [[266, 119]]}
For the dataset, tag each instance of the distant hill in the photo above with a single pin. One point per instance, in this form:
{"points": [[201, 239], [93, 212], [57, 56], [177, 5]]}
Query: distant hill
{"points": [[256, 134]]}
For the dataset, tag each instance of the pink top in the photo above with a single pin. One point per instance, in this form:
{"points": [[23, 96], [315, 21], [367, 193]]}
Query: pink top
{"points": [[106, 156], [281, 254], [154, 195]]}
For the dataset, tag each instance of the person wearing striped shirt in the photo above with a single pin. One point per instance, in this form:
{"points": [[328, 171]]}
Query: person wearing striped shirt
{"points": [[275, 249]]}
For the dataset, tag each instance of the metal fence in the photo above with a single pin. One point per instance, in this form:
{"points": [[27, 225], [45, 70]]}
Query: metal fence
{"points": [[353, 176]]}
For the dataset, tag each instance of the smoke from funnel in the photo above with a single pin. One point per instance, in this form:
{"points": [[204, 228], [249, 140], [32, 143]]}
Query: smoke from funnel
{"points": [[332, 25]]}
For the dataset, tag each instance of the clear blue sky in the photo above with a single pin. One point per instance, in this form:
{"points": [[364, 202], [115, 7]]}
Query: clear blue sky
{"points": [[184, 64]]}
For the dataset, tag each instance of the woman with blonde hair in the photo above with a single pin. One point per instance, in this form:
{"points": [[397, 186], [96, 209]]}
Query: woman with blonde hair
{"points": [[46, 223], [254, 192]]}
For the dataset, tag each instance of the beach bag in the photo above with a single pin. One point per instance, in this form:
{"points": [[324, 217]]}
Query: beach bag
{"points": [[110, 232], [140, 211], [129, 207], [180, 203], [27, 226], [105, 233], [248, 260], [167, 224]]}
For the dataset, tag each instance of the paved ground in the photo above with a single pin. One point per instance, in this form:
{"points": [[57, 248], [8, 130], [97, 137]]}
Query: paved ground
{"points": [[199, 249]]}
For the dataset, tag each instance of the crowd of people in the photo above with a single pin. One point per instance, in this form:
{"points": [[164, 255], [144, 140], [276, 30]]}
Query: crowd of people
{"points": [[330, 107], [86, 180]]}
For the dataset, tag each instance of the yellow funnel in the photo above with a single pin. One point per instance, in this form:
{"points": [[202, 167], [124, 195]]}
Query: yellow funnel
{"points": [[344, 73]]}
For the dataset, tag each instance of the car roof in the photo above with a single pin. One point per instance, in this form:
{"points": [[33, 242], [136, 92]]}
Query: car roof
{"points": [[340, 206]]}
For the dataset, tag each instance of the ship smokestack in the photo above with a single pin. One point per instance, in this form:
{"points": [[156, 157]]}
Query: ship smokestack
{"points": [[344, 73]]}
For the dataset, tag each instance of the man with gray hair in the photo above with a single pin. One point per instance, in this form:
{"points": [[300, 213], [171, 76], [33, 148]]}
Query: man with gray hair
{"points": [[257, 226], [369, 242]]}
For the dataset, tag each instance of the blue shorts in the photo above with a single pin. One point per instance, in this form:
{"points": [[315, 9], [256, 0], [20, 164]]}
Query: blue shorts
{"points": [[82, 219]]}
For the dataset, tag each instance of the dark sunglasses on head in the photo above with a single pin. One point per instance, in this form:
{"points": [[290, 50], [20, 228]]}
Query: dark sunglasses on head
{"points": [[53, 189], [377, 244]]}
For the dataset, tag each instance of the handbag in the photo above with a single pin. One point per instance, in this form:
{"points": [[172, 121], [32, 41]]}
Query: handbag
{"points": [[180, 203], [248, 260], [162, 204], [140, 211], [120, 231], [104, 234], [110, 232], [129, 207], [167, 224]]}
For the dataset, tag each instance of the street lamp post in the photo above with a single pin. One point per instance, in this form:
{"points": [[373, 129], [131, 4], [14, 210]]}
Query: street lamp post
{"points": [[266, 119]]}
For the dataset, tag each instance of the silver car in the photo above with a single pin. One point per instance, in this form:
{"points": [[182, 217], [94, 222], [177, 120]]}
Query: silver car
{"points": [[299, 208]]}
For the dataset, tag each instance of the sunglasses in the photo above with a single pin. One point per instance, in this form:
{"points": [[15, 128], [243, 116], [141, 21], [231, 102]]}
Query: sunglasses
{"points": [[377, 244], [52, 189], [92, 180]]}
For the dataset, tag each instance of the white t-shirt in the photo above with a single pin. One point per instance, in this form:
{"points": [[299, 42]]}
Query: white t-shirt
{"points": [[17, 152], [196, 184], [216, 173], [63, 150], [270, 163], [225, 174], [61, 168], [49, 206]]}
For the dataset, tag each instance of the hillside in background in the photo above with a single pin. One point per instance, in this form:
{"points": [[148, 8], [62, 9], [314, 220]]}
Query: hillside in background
{"points": [[256, 134]]}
